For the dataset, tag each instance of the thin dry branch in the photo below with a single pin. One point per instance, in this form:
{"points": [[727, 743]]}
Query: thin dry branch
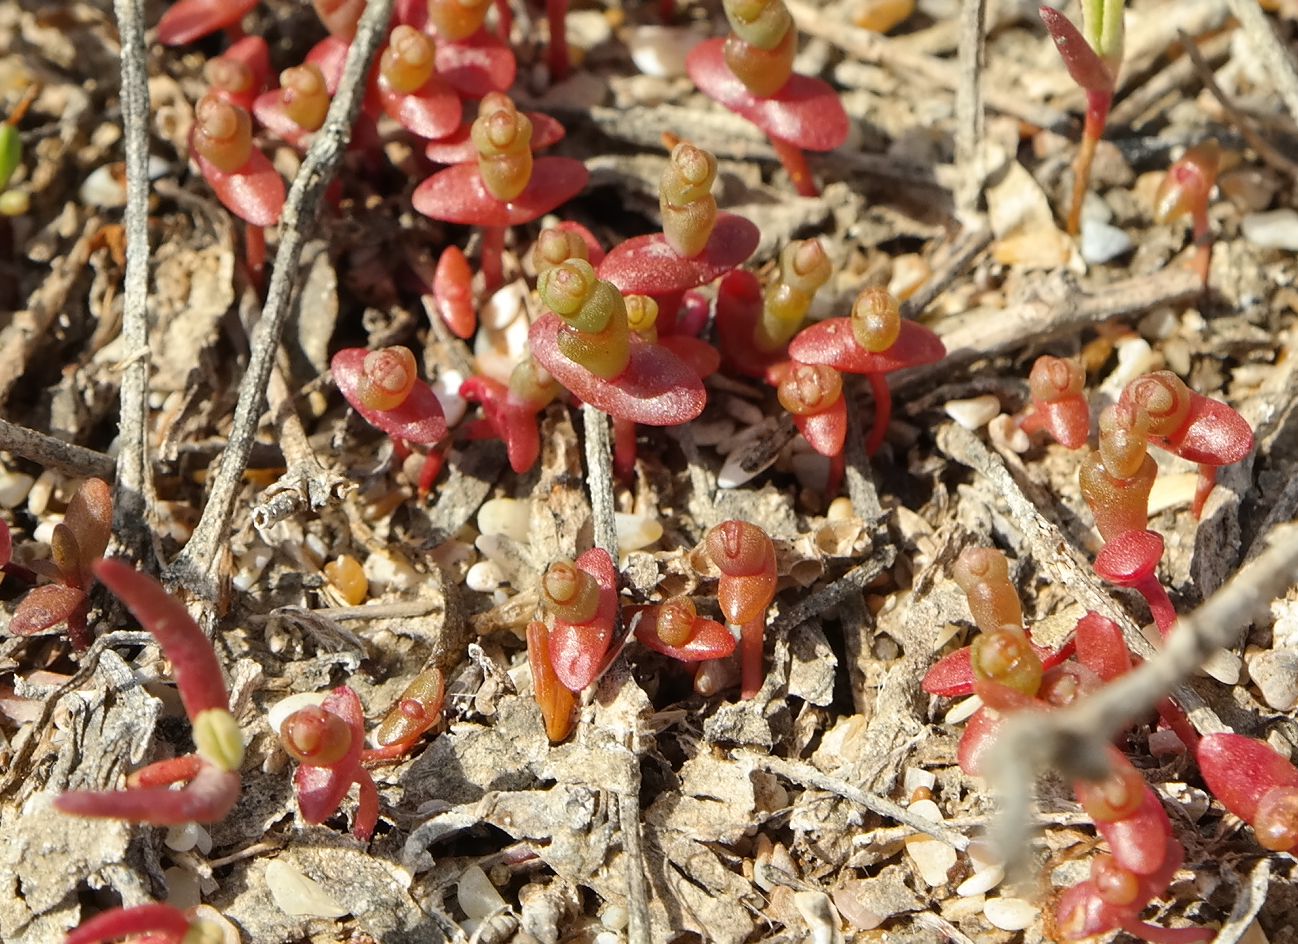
{"points": [[134, 482], [1273, 57], [54, 453], [1074, 742], [194, 565], [599, 478], [969, 114]]}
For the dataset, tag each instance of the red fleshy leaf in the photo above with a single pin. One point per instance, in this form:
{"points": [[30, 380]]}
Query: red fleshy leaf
{"points": [[739, 310], [699, 355], [656, 389], [832, 342], [1240, 771], [1130, 557], [1101, 648], [205, 799], [952, 675], [453, 292], [268, 109], [1068, 421], [432, 111], [189, 20], [6, 544], [825, 431], [320, 790], [1139, 841], [252, 52], [457, 147], [648, 265], [418, 420], [330, 54], [978, 737], [1215, 434], [1083, 64], [511, 421], [193, 662], [44, 608], [116, 923], [708, 640], [475, 66], [458, 195], [577, 649], [1086, 914], [806, 112], [254, 193]]}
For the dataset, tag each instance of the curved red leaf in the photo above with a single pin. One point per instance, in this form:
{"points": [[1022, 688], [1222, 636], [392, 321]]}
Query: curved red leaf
{"points": [[1130, 557], [648, 265], [330, 54], [656, 389], [1139, 841], [709, 639], [1084, 65], [457, 147], [453, 292], [1215, 435], [806, 112], [952, 675], [825, 431], [418, 420], [475, 66], [511, 421], [699, 355], [832, 342], [268, 109], [978, 737], [320, 790], [432, 111], [168, 921], [1101, 648], [208, 798], [577, 649], [458, 195], [1240, 771], [254, 193], [44, 608], [189, 20]]}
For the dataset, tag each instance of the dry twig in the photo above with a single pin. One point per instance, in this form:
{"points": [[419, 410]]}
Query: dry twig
{"points": [[599, 478], [1272, 55], [969, 113], [52, 453], [194, 565]]}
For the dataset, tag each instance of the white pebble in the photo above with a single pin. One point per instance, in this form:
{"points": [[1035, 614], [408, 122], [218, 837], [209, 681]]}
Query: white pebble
{"points": [[508, 516], [484, 576], [607, 937], [1172, 491], [476, 895], [297, 894], [1135, 357], [503, 307], [917, 778], [251, 563], [447, 390], [1010, 914], [209, 915], [1007, 434], [188, 836], [1275, 229], [636, 532], [42, 490], [963, 710], [1192, 800], [733, 473], [932, 857], [182, 888], [661, 50], [390, 570], [1275, 672], [981, 882], [14, 487], [286, 706], [1224, 666], [821, 916], [614, 917], [974, 413], [105, 186], [1102, 242]]}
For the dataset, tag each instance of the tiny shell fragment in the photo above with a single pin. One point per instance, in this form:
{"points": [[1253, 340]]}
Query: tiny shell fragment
{"points": [[297, 894]]}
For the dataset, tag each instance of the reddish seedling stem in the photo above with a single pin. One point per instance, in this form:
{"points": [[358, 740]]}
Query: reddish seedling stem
{"points": [[493, 248], [1097, 116], [154, 919], [794, 161], [624, 448], [556, 12], [751, 670], [882, 412], [254, 238]]}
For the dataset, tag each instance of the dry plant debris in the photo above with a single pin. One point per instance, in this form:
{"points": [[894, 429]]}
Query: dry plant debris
{"points": [[142, 343]]}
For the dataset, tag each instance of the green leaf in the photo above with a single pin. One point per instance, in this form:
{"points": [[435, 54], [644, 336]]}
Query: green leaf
{"points": [[11, 153]]}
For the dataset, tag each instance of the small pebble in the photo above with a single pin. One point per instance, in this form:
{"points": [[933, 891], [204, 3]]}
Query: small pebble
{"points": [[916, 778], [347, 576], [185, 837], [821, 916], [636, 532], [1193, 801], [963, 710], [1172, 491], [387, 569], [1275, 672], [974, 413], [297, 894], [1224, 666], [614, 917], [476, 895], [182, 888], [14, 487], [1007, 434], [1010, 914], [250, 565], [508, 516], [1103, 242], [484, 576], [447, 390], [286, 706], [503, 307], [1275, 229], [932, 857], [981, 882], [661, 50]]}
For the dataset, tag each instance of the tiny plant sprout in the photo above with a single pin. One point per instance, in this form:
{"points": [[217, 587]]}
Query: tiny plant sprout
{"points": [[675, 629], [555, 700], [751, 73], [874, 341], [510, 411], [327, 741], [159, 924], [417, 710], [581, 598], [213, 772], [189, 20], [1005, 657], [409, 88], [13, 202], [1058, 402], [1093, 57], [77, 542], [298, 107], [984, 576], [456, 20], [240, 73], [813, 394], [1131, 560], [745, 556], [1185, 192], [384, 387]]}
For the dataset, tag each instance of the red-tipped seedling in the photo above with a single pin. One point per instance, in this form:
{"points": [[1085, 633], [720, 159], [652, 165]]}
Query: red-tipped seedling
{"points": [[340, 17], [154, 923], [675, 629], [874, 341], [1058, 401], [754, 327], [409, 88], [1116, 479], [190, 20], [327, 741], [510, 412], [240, 73], [698, 243], [555, 700], [1092, 56], [505, 187], [384, 387], [457, 147], [1255, 783], [77, 542], [1131, 560], [1190, 425], [213, 774], [745, 556], [751, 73], [296, 109], [581, 598], [416, 711], [1185, 192], [1128, 815], [813, 394]]}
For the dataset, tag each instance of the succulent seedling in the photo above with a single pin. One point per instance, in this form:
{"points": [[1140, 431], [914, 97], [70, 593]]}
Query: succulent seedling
{"points": [[813, 394], [384, 387], [745, 556], [1131, 560], [581, 598], [296, 109], [1093, 56], [505, 187], [212, 773], [159, 924], [510, 412], [675, 629], [190, 20], [874, 341], [1059, 403], [409, 89], [327, 741], [555, 700], [1256, 784], [240, 73], [751, 73], [698, 244], [1185, 192], [754, 327], [1116, 479], [14, 202], [416, 711], [77, 542], [470, 59], [458, 147], [1190, 425]]}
